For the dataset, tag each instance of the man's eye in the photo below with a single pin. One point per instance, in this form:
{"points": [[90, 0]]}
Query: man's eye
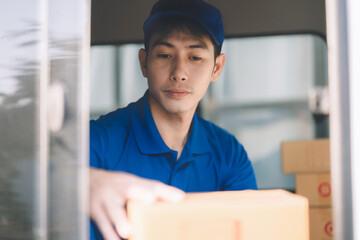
{"points": [[164, 55], [195, 58]]}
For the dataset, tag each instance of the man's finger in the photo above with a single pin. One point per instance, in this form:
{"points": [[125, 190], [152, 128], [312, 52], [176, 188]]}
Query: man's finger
{"points": [[104, 224], [150, 191], [117, 214], [169, 193], [142, 194]]}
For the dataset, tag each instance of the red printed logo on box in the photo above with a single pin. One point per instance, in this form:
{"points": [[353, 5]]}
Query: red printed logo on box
{"points": [[328, 228], [324, 189]]}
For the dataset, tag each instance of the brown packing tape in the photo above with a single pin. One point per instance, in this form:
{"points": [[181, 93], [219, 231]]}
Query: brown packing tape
{"points": [[235, 215], [306, 156]]}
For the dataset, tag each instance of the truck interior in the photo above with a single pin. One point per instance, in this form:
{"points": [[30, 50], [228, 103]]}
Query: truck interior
{"points": [[276, 87]]}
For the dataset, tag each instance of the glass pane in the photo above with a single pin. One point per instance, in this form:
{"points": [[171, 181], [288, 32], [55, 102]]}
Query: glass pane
{"points": [[102, 79], [274, 68], [68, 51], [20, 55], [40, 200], [135, 85], [116, 78]]}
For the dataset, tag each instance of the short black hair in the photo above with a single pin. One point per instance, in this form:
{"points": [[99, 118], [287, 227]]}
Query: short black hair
{"points": [[167, 24]]}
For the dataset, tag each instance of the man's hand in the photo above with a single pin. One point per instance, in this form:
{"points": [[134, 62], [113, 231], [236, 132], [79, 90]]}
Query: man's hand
{"points": [[109, 193]]}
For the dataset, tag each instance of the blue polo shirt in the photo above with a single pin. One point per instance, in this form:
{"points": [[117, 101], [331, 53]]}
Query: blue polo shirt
{"points": [[128, 140]]}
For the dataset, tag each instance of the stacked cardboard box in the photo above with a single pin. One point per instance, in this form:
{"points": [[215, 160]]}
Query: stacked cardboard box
{"points": [[310, 161], [229, 215]]}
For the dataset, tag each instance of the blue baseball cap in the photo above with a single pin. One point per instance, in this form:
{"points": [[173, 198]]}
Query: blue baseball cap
{"points": [[207, 15]]}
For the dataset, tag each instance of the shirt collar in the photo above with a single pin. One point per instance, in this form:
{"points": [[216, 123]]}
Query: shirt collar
{"points": [[148, 137], [198, 137]]}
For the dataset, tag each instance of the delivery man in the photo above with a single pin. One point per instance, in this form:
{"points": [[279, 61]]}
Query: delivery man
{"points": [[158, 147]]}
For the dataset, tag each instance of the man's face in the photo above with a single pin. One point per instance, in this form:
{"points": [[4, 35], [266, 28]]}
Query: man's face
{"points": [[179, 68]]}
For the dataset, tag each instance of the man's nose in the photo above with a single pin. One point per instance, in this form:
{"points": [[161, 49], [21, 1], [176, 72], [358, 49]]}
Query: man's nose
{"points": [[179, 72]]}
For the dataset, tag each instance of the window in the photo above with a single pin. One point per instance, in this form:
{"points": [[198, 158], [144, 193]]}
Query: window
{"points": [[261, 96]]}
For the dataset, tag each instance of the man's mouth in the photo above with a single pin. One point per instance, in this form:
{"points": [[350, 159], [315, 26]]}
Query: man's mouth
{"points": [[177, 92]]}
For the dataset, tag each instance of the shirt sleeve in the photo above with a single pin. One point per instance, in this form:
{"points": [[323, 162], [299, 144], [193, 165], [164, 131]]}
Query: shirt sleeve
{"points": [[98, 144], [241, 174]]}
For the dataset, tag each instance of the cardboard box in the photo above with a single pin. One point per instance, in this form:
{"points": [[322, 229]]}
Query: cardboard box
{"points": [[234, 215], [315, 187], [321, 226], [306, 156]]}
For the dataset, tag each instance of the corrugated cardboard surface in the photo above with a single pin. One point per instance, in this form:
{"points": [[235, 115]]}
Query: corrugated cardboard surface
{"points": [[306, 156], [236, 215], [315, 187], [321, 226]]}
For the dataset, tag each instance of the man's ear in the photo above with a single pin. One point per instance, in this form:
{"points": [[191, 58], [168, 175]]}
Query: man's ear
{"points": [[218, 67], [143, 62]]}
